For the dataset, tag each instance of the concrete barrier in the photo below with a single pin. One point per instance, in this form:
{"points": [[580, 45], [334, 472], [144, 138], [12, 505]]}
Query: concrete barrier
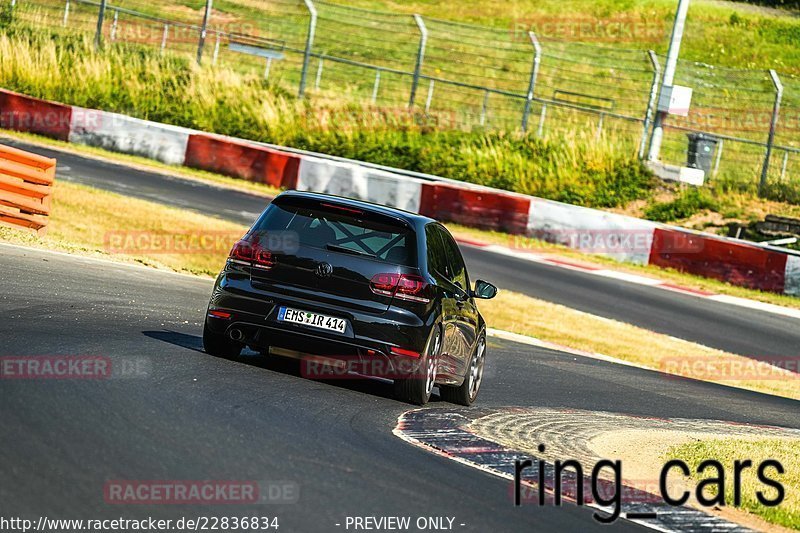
{"points": [[791, 285], [19, 112], [728, 260], [353, 181], [128, 135], [477, 207], [241, 159], [624, 238]]}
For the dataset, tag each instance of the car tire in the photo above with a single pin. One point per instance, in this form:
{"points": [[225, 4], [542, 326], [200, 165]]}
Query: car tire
{"points": [[220, 345], [467, 392], [417, 389]]}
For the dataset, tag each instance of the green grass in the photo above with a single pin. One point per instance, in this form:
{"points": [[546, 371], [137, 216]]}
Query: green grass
{"points": [[689, 202], [172, 89], [570, 162], [727, 451]]}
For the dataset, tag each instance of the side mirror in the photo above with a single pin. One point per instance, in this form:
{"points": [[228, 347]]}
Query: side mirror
{"points": [[484, 290]]}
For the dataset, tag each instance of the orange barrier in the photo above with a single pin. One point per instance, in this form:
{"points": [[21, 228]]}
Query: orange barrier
{"points": [[26, 183]]}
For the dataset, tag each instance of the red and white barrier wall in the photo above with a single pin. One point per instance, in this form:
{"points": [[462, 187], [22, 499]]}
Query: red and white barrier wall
{"points": [[625, 238]]}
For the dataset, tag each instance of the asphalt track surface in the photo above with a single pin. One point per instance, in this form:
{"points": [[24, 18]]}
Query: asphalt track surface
{"points": [[186, 415], [747, 332]]}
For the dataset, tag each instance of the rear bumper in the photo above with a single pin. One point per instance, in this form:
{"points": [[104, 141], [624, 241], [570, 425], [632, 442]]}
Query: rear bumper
{"points": [[367, 341]]}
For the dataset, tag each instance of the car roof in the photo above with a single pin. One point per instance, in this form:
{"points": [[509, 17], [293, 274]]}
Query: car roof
{"points": [[413, 219]]}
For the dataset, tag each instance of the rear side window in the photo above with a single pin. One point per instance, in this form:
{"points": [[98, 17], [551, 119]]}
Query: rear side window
{"points": [[330, 226], [437, 256], [444, 257]]}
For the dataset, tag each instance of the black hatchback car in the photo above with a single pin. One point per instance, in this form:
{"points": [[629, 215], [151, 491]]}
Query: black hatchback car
{"points": [[375, 290]]}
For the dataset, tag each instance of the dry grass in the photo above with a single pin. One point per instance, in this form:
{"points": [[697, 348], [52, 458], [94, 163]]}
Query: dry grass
{"points": [[90, 221], [555, 323], [94, 222]]}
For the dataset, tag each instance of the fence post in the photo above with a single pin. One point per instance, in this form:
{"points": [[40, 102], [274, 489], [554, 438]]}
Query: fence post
{"points": [[98, 35], [669, 76], [203, 32], [423, 40], [776, 81], [537, 58], [66, 14], [648, 116], [312, 28]]}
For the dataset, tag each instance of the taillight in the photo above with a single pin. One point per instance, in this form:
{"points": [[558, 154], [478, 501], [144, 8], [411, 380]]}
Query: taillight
{"points": [[263, 259], [251, 252], [242, 251], [404, 286]]}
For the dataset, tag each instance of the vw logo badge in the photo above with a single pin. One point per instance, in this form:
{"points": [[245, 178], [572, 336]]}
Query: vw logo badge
{"points": [[324, 270]]}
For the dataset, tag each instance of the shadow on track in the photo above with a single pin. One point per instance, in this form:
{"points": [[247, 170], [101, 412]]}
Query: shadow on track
{"points": [[282, 365]]}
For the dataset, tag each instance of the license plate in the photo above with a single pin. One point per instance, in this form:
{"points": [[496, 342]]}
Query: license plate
{"points": [[315, 320]]}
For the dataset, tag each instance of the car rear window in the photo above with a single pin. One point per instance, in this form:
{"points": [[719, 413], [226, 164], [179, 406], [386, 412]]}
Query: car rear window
{"points": [[330, 225]]}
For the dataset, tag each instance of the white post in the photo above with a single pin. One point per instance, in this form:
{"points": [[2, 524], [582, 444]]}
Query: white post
{"points": [[216, 51], [376, 86], [669, 76], [164, 37]]}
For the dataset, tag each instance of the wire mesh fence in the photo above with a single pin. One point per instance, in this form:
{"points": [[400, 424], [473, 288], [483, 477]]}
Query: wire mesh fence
{"points": [[474, 77]]}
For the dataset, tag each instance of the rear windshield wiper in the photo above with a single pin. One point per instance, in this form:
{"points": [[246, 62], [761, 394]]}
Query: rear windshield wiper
{"points": [[337, 248]]}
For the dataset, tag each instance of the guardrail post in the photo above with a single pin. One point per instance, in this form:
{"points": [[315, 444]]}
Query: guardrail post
{"points": [[312, 28], [203, 32], [66, 14], [651, 102], [114, 25], [537, 58], [98, 35], [423, 40], [776, 107]]}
